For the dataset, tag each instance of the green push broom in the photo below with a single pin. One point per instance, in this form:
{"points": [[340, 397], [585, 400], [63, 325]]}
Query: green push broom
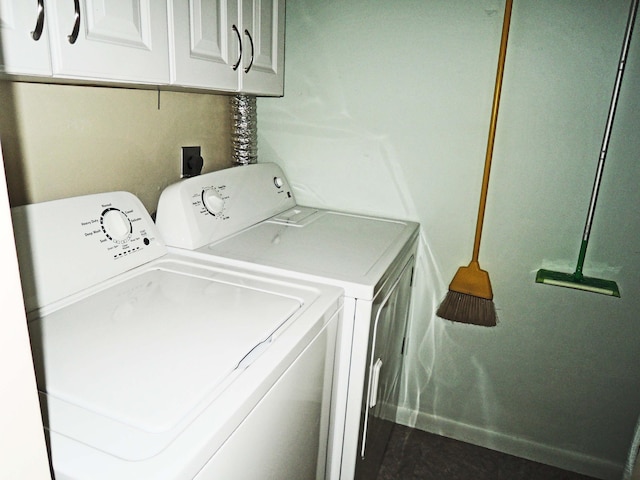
{"points": [[470, 297], [576, 279]]}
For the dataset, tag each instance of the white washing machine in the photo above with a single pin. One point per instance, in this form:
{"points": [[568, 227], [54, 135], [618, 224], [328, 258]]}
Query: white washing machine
{"points": [[156, 366], [247, 216]]}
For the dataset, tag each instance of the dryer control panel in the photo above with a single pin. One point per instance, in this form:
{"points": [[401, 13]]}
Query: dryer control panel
{"points": [[200, 210], [67, 245]]}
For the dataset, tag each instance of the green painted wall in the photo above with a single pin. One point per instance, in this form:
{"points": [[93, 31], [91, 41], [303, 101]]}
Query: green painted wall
{"points": [[386, 111]]}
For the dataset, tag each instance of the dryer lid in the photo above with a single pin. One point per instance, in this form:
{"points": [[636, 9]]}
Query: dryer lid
{"points": [[147, 354], [352, 251]]}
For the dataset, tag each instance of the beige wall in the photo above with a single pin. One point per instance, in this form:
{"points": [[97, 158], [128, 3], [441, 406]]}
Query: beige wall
{"points": [[61, 141]]}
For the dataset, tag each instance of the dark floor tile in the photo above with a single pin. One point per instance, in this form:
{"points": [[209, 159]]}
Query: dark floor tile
{"points": [[416, 455]]}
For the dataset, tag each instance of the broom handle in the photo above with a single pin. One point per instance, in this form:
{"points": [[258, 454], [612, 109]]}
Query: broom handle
{"points": [[492, 129], [633, 9]]}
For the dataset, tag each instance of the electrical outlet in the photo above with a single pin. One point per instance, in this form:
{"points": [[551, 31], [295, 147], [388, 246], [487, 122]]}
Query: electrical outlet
{"points": [[191, 162]]}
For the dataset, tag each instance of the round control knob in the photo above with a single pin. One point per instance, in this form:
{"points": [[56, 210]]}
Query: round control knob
{"points": [[278, 182], [115, 224], [212, 202]]}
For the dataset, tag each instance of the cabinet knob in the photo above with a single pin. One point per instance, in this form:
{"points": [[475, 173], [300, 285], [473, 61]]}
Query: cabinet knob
{"points": [[37, 32], [76, 23], [237, 64]]}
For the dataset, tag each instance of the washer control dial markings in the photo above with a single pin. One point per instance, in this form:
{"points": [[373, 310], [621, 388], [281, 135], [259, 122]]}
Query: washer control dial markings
{"points": [[116, 225]]}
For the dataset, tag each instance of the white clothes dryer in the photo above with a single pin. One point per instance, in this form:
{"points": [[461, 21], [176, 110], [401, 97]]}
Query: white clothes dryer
{"points": [[247, 216], [156, 366]]}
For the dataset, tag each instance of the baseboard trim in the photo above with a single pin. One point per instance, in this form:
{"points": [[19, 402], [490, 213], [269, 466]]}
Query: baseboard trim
{"points": [[565, 459]]}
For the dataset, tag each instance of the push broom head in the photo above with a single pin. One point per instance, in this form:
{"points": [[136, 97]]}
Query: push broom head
{"points": [[578, 281], [470, 298]]}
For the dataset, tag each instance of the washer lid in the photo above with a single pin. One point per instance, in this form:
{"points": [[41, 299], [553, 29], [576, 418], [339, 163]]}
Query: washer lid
{"points": [[125, 369]]}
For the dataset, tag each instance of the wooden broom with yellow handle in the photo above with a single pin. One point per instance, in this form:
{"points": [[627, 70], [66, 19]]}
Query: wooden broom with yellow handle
{"points": [[470, 297]]}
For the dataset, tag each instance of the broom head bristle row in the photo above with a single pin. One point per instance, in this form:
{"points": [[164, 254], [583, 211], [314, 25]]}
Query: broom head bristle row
{"points": [[460, 307]]}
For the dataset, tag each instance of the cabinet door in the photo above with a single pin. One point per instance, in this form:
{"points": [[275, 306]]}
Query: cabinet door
{"points": [[203, 43], [120, 40], [20, 23], [263, 47]]}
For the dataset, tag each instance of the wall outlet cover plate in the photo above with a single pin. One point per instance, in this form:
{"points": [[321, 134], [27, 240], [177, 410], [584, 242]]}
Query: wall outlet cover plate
{"points": [[192, 162]]}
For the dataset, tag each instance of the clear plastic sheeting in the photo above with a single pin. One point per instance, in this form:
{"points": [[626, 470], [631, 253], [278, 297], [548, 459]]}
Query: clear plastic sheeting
{"points": [[244, 129]]}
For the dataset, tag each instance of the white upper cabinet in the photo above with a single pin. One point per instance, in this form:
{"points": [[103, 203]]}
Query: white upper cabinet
{"points": [[230, 45], [118, 40], [24, 37], [218, 45], [263, 47]]}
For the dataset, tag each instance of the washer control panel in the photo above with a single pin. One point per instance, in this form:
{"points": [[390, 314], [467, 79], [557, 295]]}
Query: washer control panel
{"points": [[200, 210], [70, 244], [119, 228]]}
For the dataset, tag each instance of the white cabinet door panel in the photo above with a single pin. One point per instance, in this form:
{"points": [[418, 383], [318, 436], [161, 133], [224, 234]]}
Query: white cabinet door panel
{"points": [[117, 40], [21, 54], [118, 24], [264, 22], [203, 43]]}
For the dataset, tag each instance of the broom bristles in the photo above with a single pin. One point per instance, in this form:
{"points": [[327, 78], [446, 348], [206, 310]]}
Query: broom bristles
{"points": [[461, 307]]}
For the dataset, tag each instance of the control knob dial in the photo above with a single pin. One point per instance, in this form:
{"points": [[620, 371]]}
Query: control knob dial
{"points": [[212, 201], [115, 224]]}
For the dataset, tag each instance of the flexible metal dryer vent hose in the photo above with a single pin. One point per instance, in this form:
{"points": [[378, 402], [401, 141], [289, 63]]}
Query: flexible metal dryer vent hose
{"points": [[244, 129]]}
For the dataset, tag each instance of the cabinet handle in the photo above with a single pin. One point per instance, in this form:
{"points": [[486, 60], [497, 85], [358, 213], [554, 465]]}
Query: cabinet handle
{"points": [[246, 32], [37, 33], [76, 23], [237, 64]]}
